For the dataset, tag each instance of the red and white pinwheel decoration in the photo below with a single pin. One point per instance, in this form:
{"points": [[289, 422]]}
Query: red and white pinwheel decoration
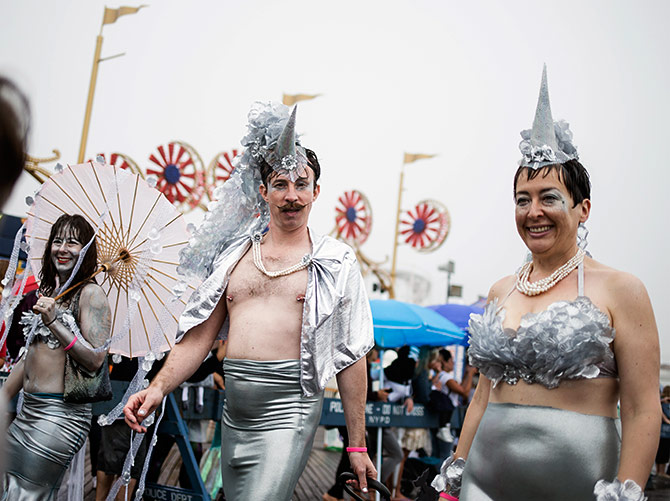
{"points": [[180, 174], [121, 161], [353, 217], [426, 226], [219, 170]]}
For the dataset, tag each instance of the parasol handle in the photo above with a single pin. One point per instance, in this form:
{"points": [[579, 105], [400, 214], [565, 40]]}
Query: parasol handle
{"points": [[103, 267]]}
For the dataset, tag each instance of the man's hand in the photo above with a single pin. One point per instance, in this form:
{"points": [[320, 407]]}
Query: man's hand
{"points": [[409, 403], [362, 468], [140, 405]]}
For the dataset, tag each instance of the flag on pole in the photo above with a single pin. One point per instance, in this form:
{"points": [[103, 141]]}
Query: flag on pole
{"points": [[413, 157], [111, 15], [291, 99]]}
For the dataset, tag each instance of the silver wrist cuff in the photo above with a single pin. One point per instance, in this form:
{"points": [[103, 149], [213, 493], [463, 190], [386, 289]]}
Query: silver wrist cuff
{"points": [[449, 478], [618, 491]]}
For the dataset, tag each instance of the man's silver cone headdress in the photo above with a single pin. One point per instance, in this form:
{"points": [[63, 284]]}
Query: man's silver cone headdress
{"points": [[239, 208], [548, 142]]}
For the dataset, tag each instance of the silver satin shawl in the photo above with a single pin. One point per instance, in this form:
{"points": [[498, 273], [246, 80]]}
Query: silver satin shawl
{"points": [[336, 318]]}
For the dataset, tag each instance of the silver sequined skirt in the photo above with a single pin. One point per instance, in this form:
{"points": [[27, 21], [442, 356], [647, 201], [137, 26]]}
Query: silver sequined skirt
{"points": [[267, 429], [41, 442], [531, 452]]}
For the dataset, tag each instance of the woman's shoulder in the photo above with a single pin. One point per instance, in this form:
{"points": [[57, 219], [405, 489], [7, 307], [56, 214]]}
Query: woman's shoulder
{"points": [[501, 288], [616, 281], [92, 293]]}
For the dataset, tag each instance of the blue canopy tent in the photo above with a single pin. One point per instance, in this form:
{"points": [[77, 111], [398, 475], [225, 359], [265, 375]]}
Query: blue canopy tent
{"points": [[398, 324], [459, 314]]}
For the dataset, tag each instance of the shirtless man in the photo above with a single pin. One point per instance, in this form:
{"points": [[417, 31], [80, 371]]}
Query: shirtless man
{"points": [[297, 315]]}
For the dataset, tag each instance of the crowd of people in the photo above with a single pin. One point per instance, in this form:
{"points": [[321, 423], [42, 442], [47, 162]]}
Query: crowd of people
{"points": [[566, 404]]}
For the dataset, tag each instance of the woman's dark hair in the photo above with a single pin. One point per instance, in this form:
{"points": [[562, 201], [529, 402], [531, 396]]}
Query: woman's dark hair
{"points": [[267, 170], [445, 354], [14, 126], [78, 227], [573, 175]]}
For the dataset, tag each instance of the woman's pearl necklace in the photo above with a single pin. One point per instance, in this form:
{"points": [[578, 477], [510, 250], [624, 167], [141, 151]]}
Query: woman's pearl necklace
{"points": [[258, 261], [528, 288]]}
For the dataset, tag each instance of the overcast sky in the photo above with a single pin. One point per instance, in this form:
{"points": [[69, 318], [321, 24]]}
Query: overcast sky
{"points": [[459, 79]]}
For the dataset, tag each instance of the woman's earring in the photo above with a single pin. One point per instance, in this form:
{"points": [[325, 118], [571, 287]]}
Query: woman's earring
{"points": [[582, 238]]}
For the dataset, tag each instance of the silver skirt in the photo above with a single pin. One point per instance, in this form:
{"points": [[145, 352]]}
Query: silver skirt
{"points": [[41, 442], [267, 429], [532, 452]]}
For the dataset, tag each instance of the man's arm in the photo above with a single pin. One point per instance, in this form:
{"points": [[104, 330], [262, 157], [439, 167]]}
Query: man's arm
{"points": [[352, 383], [184, 359]]}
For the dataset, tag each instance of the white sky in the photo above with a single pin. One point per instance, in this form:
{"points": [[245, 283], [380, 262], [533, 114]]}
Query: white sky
{"points": [[455, 78]]}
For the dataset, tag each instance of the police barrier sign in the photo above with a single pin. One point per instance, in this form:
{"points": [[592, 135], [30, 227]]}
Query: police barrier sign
{"points": [[380, 414]]}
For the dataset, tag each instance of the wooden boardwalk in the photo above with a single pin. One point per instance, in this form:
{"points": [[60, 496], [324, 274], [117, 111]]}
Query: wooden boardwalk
{"points": [[317, 478]]}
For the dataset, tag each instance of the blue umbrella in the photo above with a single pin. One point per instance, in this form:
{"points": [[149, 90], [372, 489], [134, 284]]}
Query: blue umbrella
{"points": [[459, 314], [397, 324]]}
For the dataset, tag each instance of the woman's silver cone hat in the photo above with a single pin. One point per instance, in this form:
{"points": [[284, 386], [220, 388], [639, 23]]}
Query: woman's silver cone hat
{"points": [[548, 142]]}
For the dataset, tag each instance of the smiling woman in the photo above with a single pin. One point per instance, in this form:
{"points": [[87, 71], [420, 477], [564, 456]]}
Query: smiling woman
{"points": [[64, 367], [574, 339]]}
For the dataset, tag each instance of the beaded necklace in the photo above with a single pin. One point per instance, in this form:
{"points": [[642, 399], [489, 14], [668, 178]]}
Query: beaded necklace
{"points": [[528, 288], [258, 261]]}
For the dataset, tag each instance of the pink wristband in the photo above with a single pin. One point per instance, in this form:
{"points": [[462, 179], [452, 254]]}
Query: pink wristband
{"points": [[71, 344], [444, 495], [357, 449]]}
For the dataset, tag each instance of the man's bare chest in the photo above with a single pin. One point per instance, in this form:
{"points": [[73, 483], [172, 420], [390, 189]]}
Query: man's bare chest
{"points": [[247, 282]]}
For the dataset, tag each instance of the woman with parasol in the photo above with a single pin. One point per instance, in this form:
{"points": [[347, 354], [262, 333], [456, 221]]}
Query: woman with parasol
{"points": [[558, 346], [64, 367]]}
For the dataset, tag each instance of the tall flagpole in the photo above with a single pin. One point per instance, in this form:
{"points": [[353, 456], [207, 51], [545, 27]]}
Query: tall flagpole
{"points": [[89, 100], [397, 232], [407, 159], [110, 16]]}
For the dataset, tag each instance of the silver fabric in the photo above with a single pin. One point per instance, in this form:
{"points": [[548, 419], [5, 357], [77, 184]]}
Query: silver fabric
{"points": [[450, 477], [532, 452], [41, 442], [569, 340], [548, 142], [336, 318], [267, 429]]}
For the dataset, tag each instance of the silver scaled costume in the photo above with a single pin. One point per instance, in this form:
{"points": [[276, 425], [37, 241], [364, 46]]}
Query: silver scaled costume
{"points": [[533, 452], [267, 429], [273, 408], [41, 442]]}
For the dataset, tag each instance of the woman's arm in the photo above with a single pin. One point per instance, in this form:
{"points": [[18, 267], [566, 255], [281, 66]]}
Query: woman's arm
{"points": [[94, 324], [637, 354], [463, 389], [14, 382], [473, 416]]}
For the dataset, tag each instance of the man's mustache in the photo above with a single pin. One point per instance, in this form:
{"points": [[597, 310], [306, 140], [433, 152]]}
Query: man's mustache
{"points": [[291, 207]]}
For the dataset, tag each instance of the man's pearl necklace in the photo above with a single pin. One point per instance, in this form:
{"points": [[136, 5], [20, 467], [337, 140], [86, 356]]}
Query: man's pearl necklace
{"points": [[258, 261], [544, 284]]}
